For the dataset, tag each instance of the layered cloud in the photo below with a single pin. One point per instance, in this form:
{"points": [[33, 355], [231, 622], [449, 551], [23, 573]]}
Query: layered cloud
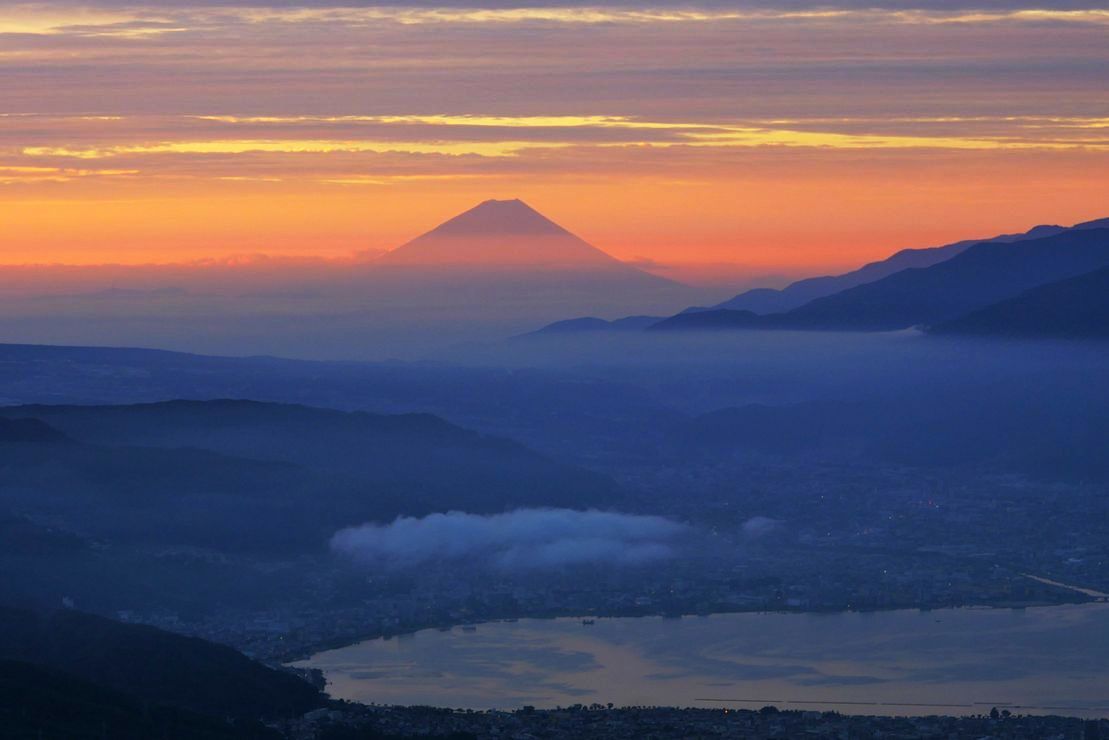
{"points": [[525, 538], [374, 120], [352, 149]]}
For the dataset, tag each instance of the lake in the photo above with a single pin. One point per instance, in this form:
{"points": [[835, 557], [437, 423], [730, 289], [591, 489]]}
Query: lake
{"points": [[1052, 660]]}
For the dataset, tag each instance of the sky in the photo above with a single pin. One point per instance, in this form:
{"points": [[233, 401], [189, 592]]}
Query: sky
{"points": [[721, 139]]}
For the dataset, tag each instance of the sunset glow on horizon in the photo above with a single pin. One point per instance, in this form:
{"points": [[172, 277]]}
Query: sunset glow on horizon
{"points": [[782, 139]]}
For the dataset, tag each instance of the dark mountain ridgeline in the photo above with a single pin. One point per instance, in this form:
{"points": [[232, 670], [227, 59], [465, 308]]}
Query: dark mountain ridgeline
{"points": [[983, 274], [770, 300], [1075, 308], [543, 407], [788, 308]]}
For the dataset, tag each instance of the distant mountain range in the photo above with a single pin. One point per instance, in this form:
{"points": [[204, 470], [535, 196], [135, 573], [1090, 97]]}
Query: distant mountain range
{"points": [[592, 323], [921, 287], [770, 300], [981, 275]]}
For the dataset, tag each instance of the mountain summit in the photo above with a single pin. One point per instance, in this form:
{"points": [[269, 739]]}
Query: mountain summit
{"points": [[505, 233], [499, 217]]}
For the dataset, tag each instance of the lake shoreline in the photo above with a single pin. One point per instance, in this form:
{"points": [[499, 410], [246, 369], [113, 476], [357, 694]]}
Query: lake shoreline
{"points": [[891, 662], [1070, 595]]}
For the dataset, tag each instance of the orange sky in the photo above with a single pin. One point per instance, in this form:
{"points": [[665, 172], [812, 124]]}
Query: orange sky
{"points": [[777, 143]]}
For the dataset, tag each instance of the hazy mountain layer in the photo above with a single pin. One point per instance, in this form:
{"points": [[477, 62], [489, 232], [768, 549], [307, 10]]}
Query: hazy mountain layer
{"points": [[247, 476], [494, 271]]}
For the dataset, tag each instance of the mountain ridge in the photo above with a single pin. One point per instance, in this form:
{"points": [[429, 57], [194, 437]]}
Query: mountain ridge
{"points": [[733, 314], [772, 300], [983, 274], [1073, 308]]}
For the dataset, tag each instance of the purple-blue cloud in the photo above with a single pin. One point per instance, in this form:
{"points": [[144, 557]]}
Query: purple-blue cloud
{"points": [[525, 538]]}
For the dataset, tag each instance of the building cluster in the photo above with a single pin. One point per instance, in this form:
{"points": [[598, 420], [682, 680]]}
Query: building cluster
{"points": [[827, 539], [646, 723]]}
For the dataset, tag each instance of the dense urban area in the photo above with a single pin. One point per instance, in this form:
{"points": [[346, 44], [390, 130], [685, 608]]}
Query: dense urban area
{"points": [[817, 538], [611, 723]]}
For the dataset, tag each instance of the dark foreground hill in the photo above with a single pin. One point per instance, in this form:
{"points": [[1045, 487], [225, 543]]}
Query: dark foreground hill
{"points": [[38, 703], [1075, 308], [150, 665]]}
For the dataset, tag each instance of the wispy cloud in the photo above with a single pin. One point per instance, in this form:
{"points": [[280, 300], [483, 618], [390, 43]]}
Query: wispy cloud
{"points": [[137, 21], [17, 174], [446, 135], [290, 146]]}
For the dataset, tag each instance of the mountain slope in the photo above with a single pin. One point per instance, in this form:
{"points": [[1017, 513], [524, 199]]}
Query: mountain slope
{"points": [[769, 300], [498, 234], [39, 702], [242, 476], [25, 431], [719, 318], [1073, 308], [153, 665], [503, 264], [983, 274]]}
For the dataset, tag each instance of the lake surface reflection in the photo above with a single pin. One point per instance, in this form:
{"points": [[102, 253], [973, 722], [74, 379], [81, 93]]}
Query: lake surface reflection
{"points": [[963, 661]]}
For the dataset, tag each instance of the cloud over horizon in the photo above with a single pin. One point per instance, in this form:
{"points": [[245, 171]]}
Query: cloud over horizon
{"points": [[520, 539], [683, 132]]}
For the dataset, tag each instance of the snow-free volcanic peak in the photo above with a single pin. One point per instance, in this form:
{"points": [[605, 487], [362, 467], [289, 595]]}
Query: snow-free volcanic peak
{"points": [[499, 217], [506, 233]]}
